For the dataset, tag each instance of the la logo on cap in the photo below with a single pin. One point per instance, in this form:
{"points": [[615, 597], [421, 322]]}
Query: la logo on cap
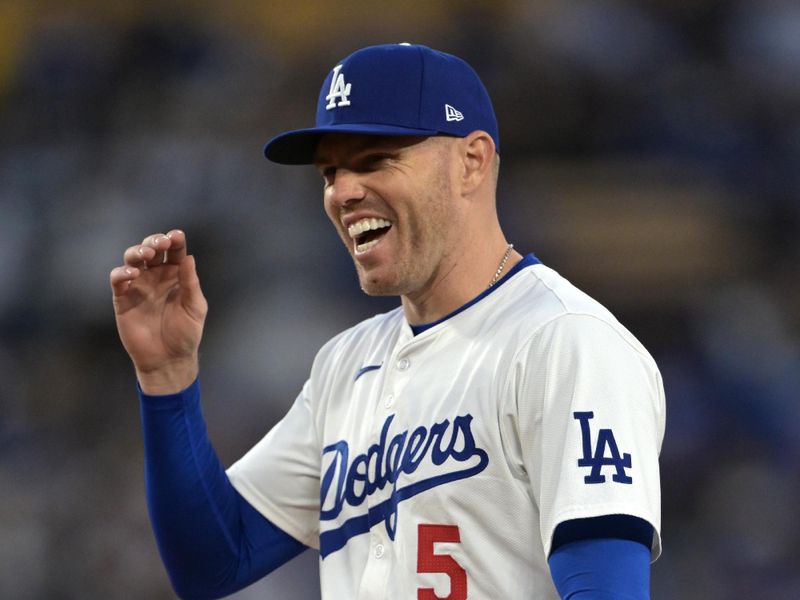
{"points": [[339, 89]]}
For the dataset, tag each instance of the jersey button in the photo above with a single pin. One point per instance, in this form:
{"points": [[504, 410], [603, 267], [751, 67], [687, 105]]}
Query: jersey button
{"points": [[379, 551], [403, 364], [389, 401]]}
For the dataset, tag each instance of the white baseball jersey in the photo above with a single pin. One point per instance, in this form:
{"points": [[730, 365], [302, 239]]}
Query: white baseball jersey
{"points": [[442, 463]]}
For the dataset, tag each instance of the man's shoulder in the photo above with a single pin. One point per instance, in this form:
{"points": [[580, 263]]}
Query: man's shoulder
{"points": [[551, 305], [540, 294]]}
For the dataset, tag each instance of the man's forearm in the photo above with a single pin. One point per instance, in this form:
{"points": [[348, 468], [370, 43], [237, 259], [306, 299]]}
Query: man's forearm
{"points": [[211, 540]]}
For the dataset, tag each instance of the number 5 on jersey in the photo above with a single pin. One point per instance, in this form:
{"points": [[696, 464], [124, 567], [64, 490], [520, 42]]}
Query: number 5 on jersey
{"points": [[430, 562]]}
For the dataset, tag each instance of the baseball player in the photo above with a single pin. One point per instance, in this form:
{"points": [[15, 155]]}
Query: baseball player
{"points": [[496, 436]]}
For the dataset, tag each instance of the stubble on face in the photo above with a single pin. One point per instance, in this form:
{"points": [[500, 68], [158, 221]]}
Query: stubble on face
{"points": [[424, 222]]}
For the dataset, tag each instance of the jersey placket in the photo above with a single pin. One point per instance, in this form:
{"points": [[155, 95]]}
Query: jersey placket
{"points": [[382, 552]]}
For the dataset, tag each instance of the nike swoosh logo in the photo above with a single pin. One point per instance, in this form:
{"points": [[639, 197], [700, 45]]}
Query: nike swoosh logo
{"points": [[366, 369]]}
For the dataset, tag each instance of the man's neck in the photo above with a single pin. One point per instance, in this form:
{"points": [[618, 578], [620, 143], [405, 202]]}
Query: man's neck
{"points": [[451, 289]]}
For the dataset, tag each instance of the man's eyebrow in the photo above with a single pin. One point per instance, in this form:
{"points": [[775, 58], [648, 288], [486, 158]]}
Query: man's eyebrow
{"points": [[381, 145]]}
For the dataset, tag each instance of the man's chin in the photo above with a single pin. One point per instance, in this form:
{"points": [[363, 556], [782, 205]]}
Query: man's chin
{"points": [[373, 286], [372, 289]]}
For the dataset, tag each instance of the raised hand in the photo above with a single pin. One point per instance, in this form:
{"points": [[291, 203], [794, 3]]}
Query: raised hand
{"points": [[160, 311]]}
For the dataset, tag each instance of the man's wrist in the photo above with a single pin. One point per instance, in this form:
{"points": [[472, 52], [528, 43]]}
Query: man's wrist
{"points": [[169, 379]]}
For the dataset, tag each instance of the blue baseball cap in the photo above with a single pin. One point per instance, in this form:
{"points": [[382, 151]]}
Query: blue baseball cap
{"points": [[393, 89]]}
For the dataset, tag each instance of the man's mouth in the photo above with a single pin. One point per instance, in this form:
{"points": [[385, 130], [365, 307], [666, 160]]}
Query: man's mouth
{"points": [[367, 232]]}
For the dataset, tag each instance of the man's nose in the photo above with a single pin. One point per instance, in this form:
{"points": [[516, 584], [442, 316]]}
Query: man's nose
{"points": [[346, 188]]}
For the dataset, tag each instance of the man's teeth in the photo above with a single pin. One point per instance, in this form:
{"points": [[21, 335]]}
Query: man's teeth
{"points": [[365, 246], [365, 225]]}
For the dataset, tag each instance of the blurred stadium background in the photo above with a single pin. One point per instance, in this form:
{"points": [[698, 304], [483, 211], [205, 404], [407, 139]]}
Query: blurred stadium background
{"points": [[651, 153]]}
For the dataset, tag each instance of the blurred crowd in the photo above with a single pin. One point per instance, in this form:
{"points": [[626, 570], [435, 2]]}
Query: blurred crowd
{"points": [[650, 153]]}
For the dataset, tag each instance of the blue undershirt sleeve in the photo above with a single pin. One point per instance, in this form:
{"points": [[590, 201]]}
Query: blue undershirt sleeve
{"points": [[211, 540], [602, 558]]}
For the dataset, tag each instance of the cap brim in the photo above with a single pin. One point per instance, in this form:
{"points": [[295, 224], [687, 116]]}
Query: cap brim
{"points": [[298, 147]]}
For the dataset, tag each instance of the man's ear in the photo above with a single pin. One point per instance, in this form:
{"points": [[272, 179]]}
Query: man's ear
{"points": [[477, 154]]}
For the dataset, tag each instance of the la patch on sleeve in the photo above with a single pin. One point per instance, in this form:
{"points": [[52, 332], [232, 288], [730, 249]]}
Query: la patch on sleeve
{"points": [[606, 453]]}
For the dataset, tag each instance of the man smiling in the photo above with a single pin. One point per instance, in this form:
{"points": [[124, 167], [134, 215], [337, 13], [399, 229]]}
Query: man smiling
{"points": [[426, 241], [495, 436]]}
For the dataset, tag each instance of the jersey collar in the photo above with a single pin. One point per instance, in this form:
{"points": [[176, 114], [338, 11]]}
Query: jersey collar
{"points": [[526, 261]]}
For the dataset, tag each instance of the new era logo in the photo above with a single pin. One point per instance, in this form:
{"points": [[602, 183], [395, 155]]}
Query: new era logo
{"points": [[452, 114]]}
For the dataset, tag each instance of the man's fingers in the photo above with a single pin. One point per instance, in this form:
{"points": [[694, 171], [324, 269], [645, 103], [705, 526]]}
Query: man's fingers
{"points": [[120, 278], [176, 251], [153, 239], [157, 249], [191, 294], [158, 243], [137, 256]]}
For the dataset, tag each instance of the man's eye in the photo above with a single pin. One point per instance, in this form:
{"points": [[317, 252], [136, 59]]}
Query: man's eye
{"points": [[328, 174], [374, 160]]}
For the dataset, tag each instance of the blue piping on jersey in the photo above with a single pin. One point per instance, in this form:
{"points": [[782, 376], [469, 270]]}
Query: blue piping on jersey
{"points": [[366, 369]]}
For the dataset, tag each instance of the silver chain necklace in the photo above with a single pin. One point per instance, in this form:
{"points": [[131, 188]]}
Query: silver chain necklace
{"points": [[502, 266]]}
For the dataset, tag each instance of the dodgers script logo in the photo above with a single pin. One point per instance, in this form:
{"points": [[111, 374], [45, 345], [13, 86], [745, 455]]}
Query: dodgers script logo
{"points": [[350, 482]]}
